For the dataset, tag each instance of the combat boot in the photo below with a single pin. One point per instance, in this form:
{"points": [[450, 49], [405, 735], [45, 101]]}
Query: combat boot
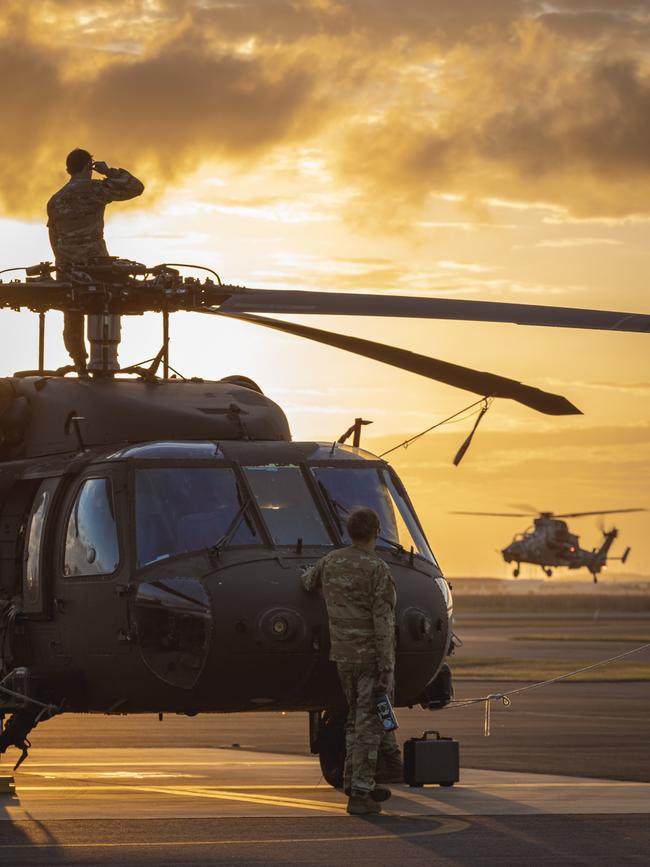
{"points": [[379, 793], [390, 769], [362, 805]]}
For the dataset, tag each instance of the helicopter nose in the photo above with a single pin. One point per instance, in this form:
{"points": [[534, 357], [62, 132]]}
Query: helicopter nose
{"points": [[511, 552]]}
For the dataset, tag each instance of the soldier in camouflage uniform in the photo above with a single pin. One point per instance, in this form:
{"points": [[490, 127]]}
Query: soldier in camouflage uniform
{"points": [[359, 594], [76, 226]]}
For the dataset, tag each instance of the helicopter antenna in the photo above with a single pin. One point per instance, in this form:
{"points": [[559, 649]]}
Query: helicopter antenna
{"points": [[353, 429], [148, 373]]}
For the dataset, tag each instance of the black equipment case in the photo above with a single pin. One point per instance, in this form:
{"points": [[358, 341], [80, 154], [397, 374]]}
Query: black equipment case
{"points": [[431, 761]]}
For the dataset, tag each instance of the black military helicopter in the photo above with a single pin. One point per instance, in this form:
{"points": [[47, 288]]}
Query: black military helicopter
{"points": [[153, 529], [549, 543]]}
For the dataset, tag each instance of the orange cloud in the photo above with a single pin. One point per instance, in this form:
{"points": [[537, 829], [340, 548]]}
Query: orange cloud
{"points": [[480, 100]]}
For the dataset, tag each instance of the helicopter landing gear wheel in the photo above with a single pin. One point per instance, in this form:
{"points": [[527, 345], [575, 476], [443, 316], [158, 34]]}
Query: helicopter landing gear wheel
{"points": [[548, 572], [331, 746], [515, 572]]}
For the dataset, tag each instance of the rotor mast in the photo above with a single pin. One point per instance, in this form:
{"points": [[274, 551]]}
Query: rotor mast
{"points": [[104, 336]]}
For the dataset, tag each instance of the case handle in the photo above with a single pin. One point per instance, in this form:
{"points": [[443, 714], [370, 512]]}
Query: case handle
{"points": [[430, 732]]}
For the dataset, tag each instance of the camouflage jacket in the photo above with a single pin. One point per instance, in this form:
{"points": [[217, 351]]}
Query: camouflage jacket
{"points": [[360, 596], [76, 214]]}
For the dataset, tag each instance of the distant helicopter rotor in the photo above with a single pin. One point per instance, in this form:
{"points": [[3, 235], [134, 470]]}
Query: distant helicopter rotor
{"points": [[551, 515]]}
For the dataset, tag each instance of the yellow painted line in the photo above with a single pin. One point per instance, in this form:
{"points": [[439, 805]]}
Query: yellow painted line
{"points": [[62, 762], [443, 826], [265, 800], [85, 785], [195, 792]]}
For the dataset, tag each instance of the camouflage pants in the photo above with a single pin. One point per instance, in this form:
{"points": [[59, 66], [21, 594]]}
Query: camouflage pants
{"points": [[73, 337], [388, 746], [363, 730]]}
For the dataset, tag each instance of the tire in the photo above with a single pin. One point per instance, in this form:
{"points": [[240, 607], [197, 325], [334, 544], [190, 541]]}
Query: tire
{"points": [[445, 784], [331, 747]]}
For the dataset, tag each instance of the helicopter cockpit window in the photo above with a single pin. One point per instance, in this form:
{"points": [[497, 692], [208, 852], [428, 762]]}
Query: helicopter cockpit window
{"points": [[32, 585], [287, 505], [174, 623], [350, 488], [91, 544], [184, 509], [408, 531], [169, 449]]}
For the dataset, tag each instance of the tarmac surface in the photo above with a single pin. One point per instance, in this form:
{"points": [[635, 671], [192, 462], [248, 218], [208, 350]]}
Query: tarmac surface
{"points": [[199, 806], [563, 779]]}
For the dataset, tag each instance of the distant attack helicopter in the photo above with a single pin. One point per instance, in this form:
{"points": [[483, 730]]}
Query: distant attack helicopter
{"points": [[153, 529], [549, 543]]}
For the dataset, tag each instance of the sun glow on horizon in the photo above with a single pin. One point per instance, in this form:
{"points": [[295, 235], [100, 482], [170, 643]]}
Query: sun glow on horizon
{"points": [[490, 152]]}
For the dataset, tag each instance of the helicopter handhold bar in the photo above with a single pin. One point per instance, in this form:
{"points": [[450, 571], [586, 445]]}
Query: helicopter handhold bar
{"points": [[45, 708]]}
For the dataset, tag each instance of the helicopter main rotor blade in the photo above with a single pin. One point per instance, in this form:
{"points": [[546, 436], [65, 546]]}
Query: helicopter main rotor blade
{"points": [[495, 514], [297, 301], [601, 512], [479, 382], [531, 510]]}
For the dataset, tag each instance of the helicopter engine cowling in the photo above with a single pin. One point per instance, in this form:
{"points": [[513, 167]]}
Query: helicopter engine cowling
{"points": [[113, 410]]}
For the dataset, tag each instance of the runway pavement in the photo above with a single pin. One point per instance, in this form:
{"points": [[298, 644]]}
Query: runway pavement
{"points": [[197, 806], [564, 779]]}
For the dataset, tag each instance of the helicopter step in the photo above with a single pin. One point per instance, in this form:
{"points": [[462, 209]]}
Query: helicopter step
{"points": [[18, 691]]}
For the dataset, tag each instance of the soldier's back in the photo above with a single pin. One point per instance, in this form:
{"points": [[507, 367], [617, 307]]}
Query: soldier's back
{"points": [[76, 220], [351, 579]]}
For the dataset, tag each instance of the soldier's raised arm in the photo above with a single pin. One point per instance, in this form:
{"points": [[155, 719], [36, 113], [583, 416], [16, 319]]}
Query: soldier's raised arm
{"points": [[118, 185], [383, 616]]}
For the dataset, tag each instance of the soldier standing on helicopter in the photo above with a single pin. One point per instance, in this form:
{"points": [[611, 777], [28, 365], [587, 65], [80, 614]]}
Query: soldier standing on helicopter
{"points": [[76, 227], [360, 597]]}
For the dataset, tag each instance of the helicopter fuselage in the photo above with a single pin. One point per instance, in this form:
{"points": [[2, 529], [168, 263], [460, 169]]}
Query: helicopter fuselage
{"points": [[164, 576], [550, 544]]}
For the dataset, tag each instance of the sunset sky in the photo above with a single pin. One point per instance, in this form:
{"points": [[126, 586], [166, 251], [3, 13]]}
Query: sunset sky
{"points": [[481, 150]]}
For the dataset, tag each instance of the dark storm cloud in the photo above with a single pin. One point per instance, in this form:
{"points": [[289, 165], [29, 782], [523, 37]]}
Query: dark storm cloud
{"points": [[595, 24], [528, 123], [170, 112], [515, 99]]}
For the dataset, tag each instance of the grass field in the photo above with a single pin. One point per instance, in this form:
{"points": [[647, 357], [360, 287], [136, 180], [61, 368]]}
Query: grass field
{"points": [[554, 636], [506, 669], [583, 603]]}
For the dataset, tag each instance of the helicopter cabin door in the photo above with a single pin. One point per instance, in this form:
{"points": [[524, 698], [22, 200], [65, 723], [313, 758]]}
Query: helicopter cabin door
{"points": [[37, 587], [93, 570]]}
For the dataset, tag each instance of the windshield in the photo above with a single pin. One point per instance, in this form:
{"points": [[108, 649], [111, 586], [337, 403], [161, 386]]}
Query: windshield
{"points": [[287, 505], [408, 531], [183, 509], [349, 488]]}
